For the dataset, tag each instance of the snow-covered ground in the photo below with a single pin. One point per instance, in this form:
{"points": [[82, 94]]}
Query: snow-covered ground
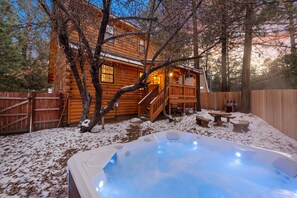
{"points": [[34, 164]]}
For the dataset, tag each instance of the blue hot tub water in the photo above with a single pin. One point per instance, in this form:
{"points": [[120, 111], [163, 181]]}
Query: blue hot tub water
{"points": [[176, 169]]}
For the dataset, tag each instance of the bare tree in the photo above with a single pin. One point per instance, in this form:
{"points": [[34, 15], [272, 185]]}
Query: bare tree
{"points": [[196, 53], [66, 16]]}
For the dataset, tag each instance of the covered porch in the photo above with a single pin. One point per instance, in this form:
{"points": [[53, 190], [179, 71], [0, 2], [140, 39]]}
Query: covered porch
{"points": [[180, 91]]}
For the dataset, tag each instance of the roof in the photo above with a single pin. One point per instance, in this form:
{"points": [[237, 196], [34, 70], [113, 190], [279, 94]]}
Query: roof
{"points": [[120, 58], [189, 68], [137, 62]]}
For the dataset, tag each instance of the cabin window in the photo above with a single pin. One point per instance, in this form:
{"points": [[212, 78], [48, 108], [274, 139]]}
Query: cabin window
{"points": [[141, 45], [107, 74], [189, 80], [109, 33], [140, 74]]}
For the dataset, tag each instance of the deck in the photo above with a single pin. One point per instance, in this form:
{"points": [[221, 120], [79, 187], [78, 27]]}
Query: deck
{"points": [[176, 96]]}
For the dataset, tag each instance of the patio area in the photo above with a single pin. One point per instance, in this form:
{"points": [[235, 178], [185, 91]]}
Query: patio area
{"points": [[34, 164]]}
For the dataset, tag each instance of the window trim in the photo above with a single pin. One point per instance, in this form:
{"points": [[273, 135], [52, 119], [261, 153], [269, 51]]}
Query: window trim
{"points": [[109, 34], [139, 76], [101, 73], [140, 47]]}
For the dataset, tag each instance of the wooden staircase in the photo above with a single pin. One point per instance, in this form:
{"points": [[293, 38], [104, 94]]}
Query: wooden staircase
{"points": [[152, 104]]}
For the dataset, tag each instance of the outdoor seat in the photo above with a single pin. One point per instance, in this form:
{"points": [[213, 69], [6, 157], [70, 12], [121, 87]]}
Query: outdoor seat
{"points": [[201, 121], [240, 125]]}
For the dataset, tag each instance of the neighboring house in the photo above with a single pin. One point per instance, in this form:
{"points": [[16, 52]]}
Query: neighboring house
{"points": [[123, 66]]}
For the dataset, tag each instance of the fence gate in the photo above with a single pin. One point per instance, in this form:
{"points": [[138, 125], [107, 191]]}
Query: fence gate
{"points": [[14, 112], [26, 112]]}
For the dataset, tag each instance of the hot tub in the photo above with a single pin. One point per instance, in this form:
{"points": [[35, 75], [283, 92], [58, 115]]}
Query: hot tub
{"points": [[180, 164]]}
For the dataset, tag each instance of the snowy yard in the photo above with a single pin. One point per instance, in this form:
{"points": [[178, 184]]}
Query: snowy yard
{"points": [[34, 164]]}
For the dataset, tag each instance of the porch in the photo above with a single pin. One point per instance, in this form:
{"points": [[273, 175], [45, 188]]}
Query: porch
{"points": [[180, 93]]}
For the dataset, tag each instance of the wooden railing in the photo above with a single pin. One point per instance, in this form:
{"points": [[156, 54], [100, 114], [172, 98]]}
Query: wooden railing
{"points": [[182, 91], [156, 105], [145, 102]]}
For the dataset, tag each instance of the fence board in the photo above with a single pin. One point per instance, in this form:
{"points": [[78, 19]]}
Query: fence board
{"points": [[24, 112]]}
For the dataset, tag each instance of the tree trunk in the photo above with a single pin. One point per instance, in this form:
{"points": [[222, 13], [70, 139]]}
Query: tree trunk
{"points": [[291, 28], [224, 46], [196, 53], [96, 63], [245, 81], [166, 81]]}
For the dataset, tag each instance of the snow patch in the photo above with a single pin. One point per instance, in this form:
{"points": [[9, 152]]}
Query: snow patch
{"points": [[86, 123], [34, 164]]}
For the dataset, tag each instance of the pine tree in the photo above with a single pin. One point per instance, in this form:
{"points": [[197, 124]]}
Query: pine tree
{"points": [[10, 50]]}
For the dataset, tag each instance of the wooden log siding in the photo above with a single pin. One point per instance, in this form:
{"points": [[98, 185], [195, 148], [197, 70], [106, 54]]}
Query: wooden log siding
{"points": [[276, 107], [128, 103], [25, 112], [127, 46]]}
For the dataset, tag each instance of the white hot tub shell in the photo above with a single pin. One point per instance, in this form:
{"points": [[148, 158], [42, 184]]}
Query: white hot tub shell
{"points": [[86, 167]]}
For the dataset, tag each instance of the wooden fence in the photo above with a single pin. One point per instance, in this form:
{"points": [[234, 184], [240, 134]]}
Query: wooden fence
{"points": [[26, 112], [276, 107], [217, 100]]}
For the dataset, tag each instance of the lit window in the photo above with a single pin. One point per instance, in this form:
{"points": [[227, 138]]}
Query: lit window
{"points": [[140, 74], [109, 33], [107, 74], [141, 45]]}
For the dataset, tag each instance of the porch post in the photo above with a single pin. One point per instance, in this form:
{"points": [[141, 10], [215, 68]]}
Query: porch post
{"points": [[169, 95], [184, 94]]}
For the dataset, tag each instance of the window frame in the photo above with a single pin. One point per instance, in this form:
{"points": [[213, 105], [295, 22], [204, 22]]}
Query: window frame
{"points": [[141, 47], [140, 73], [101, 74], [110, 32]]}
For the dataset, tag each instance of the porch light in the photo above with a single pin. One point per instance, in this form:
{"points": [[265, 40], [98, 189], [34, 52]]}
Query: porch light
{"points": [[170, 74]]}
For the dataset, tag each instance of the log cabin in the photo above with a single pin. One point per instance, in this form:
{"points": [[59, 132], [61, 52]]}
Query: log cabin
{"points": [[123, 65]]}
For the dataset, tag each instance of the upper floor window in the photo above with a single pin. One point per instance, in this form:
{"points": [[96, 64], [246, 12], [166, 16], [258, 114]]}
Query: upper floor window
{"points": [[141, 45], [107, 74], [109, 33]]}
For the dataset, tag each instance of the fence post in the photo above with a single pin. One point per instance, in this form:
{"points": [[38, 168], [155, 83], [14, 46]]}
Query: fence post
{"points": [[29, 96], [61, 104], [32, 111]]}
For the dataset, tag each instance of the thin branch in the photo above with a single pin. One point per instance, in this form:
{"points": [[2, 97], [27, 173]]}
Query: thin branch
{"points": [[134, 18], [123, 35], [169, 62], [45, 8], [77, 27], [161, 48]]}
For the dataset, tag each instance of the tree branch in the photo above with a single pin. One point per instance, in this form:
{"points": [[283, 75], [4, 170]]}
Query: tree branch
{"points": [[77, 27], [134, 18], [169, 62], [123, 35], [161, 48], [45, 8]]}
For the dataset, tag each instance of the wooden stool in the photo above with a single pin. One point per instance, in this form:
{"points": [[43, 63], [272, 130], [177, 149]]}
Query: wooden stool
{"points": [[240, 126], [201, 121]]}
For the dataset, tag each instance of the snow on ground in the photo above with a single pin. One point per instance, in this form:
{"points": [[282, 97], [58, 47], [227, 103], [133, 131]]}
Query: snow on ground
{"points": [[34, 164]]}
